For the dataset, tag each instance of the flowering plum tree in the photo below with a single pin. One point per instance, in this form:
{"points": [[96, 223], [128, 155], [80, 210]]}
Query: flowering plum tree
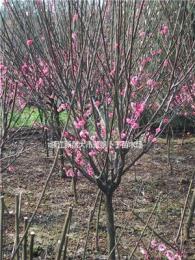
{"points": [[117, 68]]}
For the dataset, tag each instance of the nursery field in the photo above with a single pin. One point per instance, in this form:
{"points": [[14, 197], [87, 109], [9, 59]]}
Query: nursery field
{"points": [[97, 130], [149, 179]]}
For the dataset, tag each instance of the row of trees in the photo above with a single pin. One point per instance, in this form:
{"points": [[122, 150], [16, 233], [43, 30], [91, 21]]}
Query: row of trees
{"points": [[120, 70]]}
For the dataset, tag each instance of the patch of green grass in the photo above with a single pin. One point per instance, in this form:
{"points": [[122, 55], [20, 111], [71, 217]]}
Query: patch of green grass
{"points": [[63, 117], [25, 118], [30, 115]]}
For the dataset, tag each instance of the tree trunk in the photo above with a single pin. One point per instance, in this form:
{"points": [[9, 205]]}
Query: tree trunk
{"points": [[58, 132], [110, 226]]}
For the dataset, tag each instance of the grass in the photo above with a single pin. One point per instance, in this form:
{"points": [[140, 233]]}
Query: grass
{"points": [[30, 116], [25, 118]]}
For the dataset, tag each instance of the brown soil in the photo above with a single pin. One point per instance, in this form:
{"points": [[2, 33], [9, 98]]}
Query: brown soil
{"points": [[151, 175]]}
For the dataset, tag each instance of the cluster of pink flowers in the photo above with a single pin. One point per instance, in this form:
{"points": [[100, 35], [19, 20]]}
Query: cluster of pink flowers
{"points": [[3, 69], [79, 123], [164, 30], [135, 81], [39, 83], [132, 123], [185, 99], [84, 134], [137, 110], [29, 42], [144, 62], [156, 52], [78, 156], [63, 106], [11, 169], [160, 248]]}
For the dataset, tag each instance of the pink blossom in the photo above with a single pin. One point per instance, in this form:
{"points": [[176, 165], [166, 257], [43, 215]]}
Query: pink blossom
{"points": [[75, 18], [123, 136], [38, 2], [103, 131], [88, 113], [45, 70], [165, 63], [70, 173], [156, 52], [110, 114], [142, 34], [84, 134], [170, 255], [116, 45], [40, 83], [69, 151], [132, 123], [151, 83], [79, 123], [152, 138], [108, 100], [134, 81], [158, 130], [93, 153], [97, 103], [74, 36], [22, 103], [143, 251], [45, 127], [29, 42], [3, 69], [68, 136], [177, 257], [122, 93], [79, 174], [112, 72], [90, 171], [11, 169], [79, 159], [165, 120], [138, 108], [154, 244], [94, 137], [25, 68], [63, 107], [145, 61], [99, 146], [164, 29], [161, 247]]}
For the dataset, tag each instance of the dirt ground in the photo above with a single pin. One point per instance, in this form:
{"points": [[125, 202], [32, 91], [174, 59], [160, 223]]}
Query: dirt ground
{"points": [[138, 191]]}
